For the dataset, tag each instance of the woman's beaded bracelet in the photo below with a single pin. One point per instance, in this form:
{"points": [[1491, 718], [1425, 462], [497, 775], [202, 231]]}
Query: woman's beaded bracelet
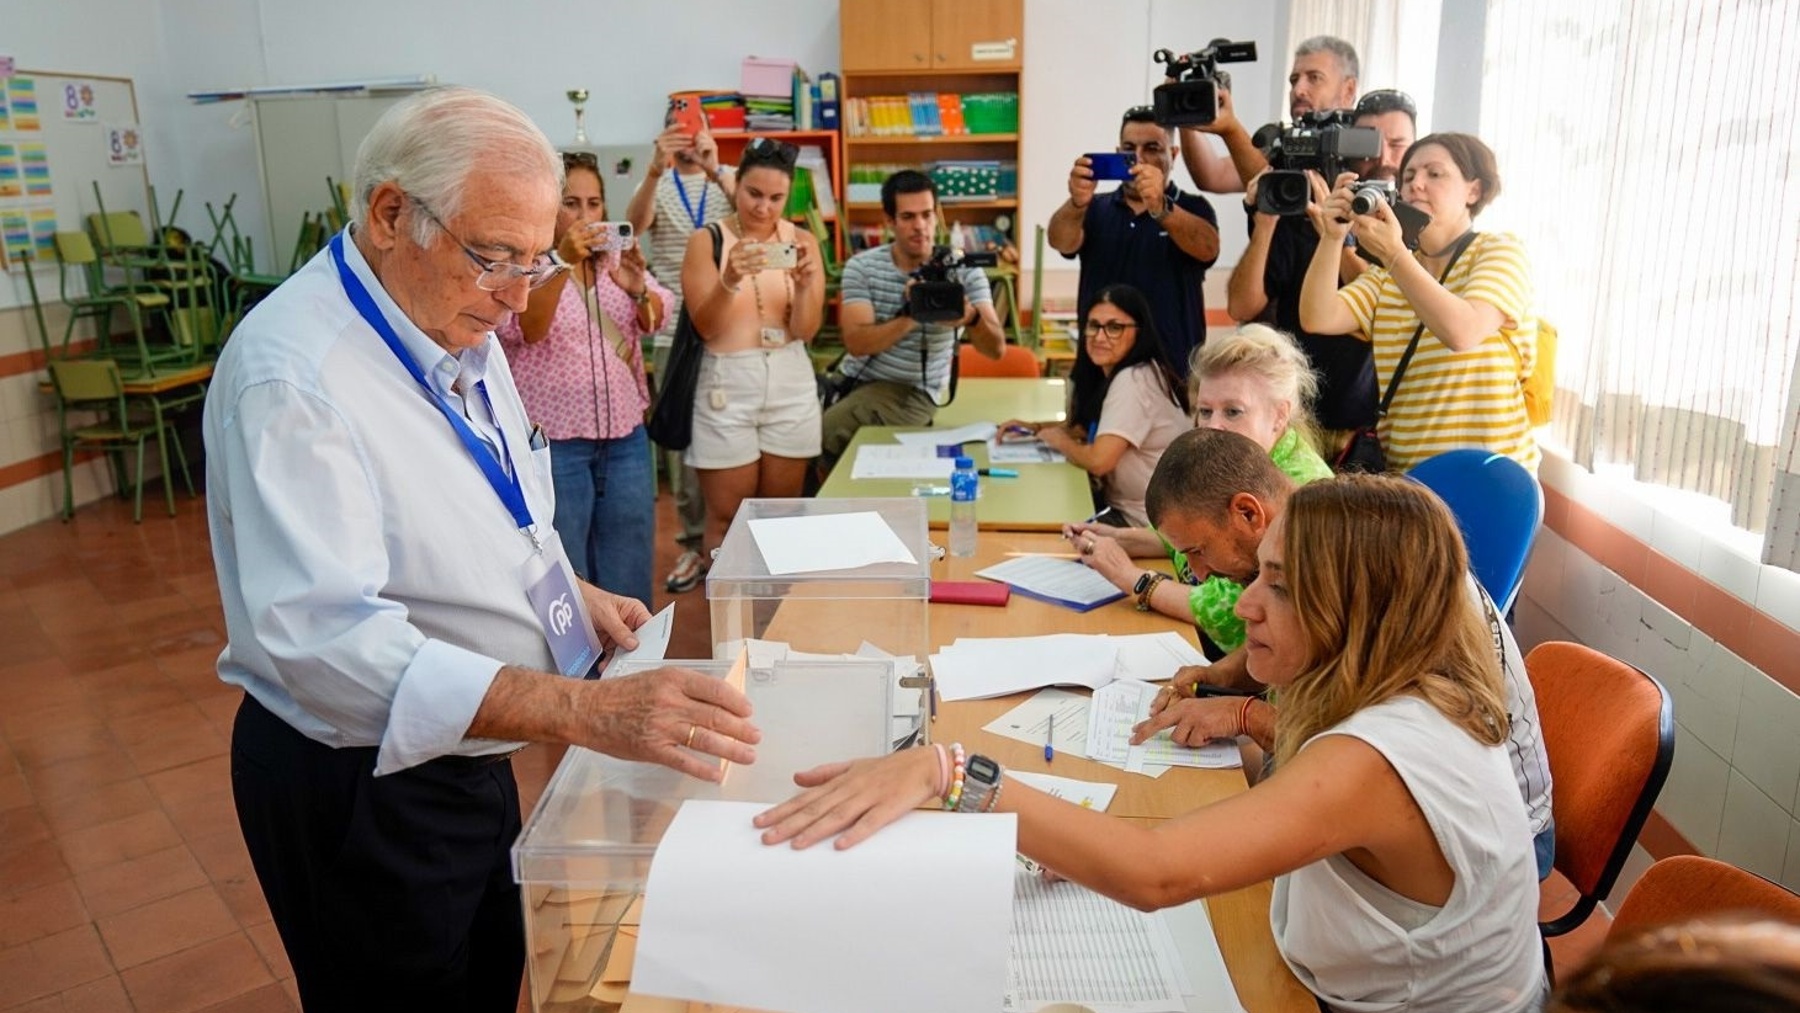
{"points": [[958, 761]]}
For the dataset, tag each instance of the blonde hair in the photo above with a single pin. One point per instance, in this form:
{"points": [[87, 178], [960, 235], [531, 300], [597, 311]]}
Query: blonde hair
{"points": [[1272, 357], [1378, 577]]}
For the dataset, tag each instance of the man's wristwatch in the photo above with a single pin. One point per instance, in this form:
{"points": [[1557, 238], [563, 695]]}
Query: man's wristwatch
{"points": [[981, 780], [1146, 587], [1163, 212]]}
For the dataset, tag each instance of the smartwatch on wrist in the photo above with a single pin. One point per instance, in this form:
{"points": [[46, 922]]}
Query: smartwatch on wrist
{"points": [[1145, 587], [981, 779], [1163, 212]]}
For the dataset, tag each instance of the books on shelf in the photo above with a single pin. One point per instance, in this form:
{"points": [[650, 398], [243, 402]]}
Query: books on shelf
{"points": [[931, 114]]}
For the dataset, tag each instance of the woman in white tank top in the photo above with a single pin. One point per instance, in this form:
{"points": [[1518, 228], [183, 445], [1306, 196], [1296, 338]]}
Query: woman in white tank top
{"points": [[1392, 824]]}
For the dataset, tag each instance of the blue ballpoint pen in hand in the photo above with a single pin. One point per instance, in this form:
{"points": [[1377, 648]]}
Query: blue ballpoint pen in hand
{"points": [[1050, 741]]}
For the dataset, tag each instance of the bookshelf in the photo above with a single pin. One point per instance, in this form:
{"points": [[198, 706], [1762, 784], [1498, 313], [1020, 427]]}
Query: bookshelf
{"points": [[958, 48], [731, 148]]}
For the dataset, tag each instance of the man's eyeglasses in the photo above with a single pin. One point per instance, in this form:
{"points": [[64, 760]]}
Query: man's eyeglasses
{"points": [[1386, 100], [497, 275], [1113, 329]]}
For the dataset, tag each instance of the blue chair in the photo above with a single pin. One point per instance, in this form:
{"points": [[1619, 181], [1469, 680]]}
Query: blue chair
{"points": [[1498, 505]]}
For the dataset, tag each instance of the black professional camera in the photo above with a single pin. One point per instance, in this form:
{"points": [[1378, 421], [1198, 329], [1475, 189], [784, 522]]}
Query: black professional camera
{"points": [[1192, 99], [935, 296], [1323, 141]]}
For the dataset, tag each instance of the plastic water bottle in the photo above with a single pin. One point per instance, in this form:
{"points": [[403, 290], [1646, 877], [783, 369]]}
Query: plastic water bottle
{"points": [[964, 484]]}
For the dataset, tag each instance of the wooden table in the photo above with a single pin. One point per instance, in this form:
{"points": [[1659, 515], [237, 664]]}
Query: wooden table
{"points": [[1240, 919], [1043, 498], [996, 399]]}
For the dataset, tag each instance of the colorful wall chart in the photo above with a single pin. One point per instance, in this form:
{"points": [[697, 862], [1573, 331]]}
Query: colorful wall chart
{"points": [[43, 234], [78, 102], [21, 93], [11, 184], [36, 161], [124, 145], [5, 111], [15, 234]]}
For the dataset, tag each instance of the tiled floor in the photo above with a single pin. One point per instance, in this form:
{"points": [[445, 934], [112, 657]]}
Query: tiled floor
{"points": [[124, 885]]}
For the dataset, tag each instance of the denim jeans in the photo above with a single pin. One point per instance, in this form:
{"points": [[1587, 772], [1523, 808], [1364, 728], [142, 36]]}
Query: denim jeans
{"points": [[605, 510]]}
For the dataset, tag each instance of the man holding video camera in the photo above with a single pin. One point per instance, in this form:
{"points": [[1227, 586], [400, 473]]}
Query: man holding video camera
{"points": [[1147, 233], [898, 354], [1265, 286]]}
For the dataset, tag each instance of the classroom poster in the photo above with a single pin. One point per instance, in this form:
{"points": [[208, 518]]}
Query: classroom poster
{"points": [[21, 93], [78, 102], [124, 145], [35, 160], [11, 183], [5, 111], [7, 66], [15, 235], [43, 234]]}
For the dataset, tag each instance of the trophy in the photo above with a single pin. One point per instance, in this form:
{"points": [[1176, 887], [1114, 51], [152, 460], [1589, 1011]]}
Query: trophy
{"points": [[579, 97]]}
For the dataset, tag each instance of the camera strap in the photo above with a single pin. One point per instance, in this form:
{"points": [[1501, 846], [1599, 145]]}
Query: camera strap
{"points": [[1412, 346]]}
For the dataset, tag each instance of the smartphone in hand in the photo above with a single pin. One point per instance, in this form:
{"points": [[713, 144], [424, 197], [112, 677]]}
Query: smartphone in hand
{"points": [[685, 112], [778, 256], [612, 237], [1111, 165]]}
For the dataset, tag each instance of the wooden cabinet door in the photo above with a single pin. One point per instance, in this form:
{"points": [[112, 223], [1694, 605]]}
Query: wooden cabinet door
{"points": [[884, 35], [958, 26]]}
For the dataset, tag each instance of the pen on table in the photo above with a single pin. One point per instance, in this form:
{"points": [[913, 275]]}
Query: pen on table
{"points": [[1001, 472], [1050, 741]]}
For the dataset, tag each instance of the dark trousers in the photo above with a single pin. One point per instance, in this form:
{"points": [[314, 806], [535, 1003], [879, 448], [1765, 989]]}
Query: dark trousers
{"points": [[389, 893]]}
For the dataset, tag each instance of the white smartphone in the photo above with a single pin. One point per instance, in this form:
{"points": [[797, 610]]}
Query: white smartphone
{"points": [[778, 256], [613, 236]]}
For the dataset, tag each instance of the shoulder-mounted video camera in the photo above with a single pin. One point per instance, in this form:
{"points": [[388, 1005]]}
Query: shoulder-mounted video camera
{"points": [[936, 297], [1322, 141], [1192, 98]]}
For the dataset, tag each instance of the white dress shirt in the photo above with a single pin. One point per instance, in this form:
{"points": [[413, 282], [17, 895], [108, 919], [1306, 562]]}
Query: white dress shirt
{"points": [[372, 580]]}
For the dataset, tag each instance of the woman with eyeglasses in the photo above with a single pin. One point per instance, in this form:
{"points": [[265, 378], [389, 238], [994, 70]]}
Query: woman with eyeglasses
{"points": [[1391, 825], [1461, 301], [756, 407], [1126, 403], [577, 355], [1255, 382]]}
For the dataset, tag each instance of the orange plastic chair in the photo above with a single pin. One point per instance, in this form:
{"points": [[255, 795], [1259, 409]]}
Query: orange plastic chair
{"points": [[1686, 887], [1609, 731], [1014, 361]]}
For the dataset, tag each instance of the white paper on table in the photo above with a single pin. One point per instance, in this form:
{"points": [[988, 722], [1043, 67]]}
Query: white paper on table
{"points": [[974, 432], [1117, 707], [977, 668], [1030, 721], [653, 638], [827, 542], [1069, 944], [1033, 451], [900, 461], [1063, 581], [1154, 657], [730, 920], [1086, 794]]}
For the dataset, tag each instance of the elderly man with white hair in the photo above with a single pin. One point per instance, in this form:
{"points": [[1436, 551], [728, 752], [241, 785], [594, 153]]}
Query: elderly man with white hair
{"points": [[400, 614]]}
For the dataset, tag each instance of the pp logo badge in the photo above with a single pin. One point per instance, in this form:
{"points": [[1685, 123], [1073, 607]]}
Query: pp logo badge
{"points": [[561, 615]]}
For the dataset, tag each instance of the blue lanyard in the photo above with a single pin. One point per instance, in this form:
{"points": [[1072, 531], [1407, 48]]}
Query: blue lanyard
{"points": [[505, 481], [698, 218]]}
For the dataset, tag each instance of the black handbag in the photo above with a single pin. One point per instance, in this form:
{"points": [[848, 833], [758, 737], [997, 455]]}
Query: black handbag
{"points": [[672, 420], [1363, 452]]}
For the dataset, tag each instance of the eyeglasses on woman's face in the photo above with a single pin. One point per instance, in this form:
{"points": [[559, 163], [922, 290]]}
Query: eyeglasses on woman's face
{"points": [[1113, 329]]}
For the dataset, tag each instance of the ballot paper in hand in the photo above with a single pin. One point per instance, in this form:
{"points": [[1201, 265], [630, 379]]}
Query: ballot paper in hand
{"points": [[653, 639], [730, 920], [827, 542]]}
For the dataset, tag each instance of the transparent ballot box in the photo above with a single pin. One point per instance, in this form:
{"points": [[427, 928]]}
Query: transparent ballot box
{"points": [[585, 852], [875, 610]]}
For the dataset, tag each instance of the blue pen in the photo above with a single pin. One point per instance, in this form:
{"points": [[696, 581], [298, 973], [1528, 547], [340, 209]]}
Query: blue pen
{"points": [[1050, 741]]}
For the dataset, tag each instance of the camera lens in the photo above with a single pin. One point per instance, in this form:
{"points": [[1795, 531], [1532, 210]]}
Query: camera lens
{"points": [[1364, 200]]}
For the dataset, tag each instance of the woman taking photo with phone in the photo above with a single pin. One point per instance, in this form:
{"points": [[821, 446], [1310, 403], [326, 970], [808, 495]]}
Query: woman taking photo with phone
{"points": [[577, 354], [1126, 402], [756, 407], [1464, 297]]}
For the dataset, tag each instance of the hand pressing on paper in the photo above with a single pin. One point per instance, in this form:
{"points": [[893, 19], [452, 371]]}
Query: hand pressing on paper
{"points": [[1109, 560], [1194, 722], [853, 799]]}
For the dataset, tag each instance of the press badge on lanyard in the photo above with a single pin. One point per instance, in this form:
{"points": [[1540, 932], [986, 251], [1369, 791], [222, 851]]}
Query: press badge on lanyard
{"points": [[546, 576]]}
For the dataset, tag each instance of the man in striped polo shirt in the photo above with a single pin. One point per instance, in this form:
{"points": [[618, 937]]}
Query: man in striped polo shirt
{"points": [[896, 364]]}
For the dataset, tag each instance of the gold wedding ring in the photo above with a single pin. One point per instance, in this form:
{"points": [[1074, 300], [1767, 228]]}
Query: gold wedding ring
{"points": [[692, 728]]}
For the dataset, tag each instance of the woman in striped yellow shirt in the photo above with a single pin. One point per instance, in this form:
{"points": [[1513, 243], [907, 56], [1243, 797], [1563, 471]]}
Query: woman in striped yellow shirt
{"points": [[1463, 385]]}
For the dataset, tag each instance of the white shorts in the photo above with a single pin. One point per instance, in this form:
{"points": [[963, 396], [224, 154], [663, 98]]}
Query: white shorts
{"points": [[753, 403]]}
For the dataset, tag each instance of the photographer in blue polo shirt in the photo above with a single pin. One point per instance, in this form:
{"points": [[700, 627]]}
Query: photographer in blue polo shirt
{"points": [[1147, 234]]}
